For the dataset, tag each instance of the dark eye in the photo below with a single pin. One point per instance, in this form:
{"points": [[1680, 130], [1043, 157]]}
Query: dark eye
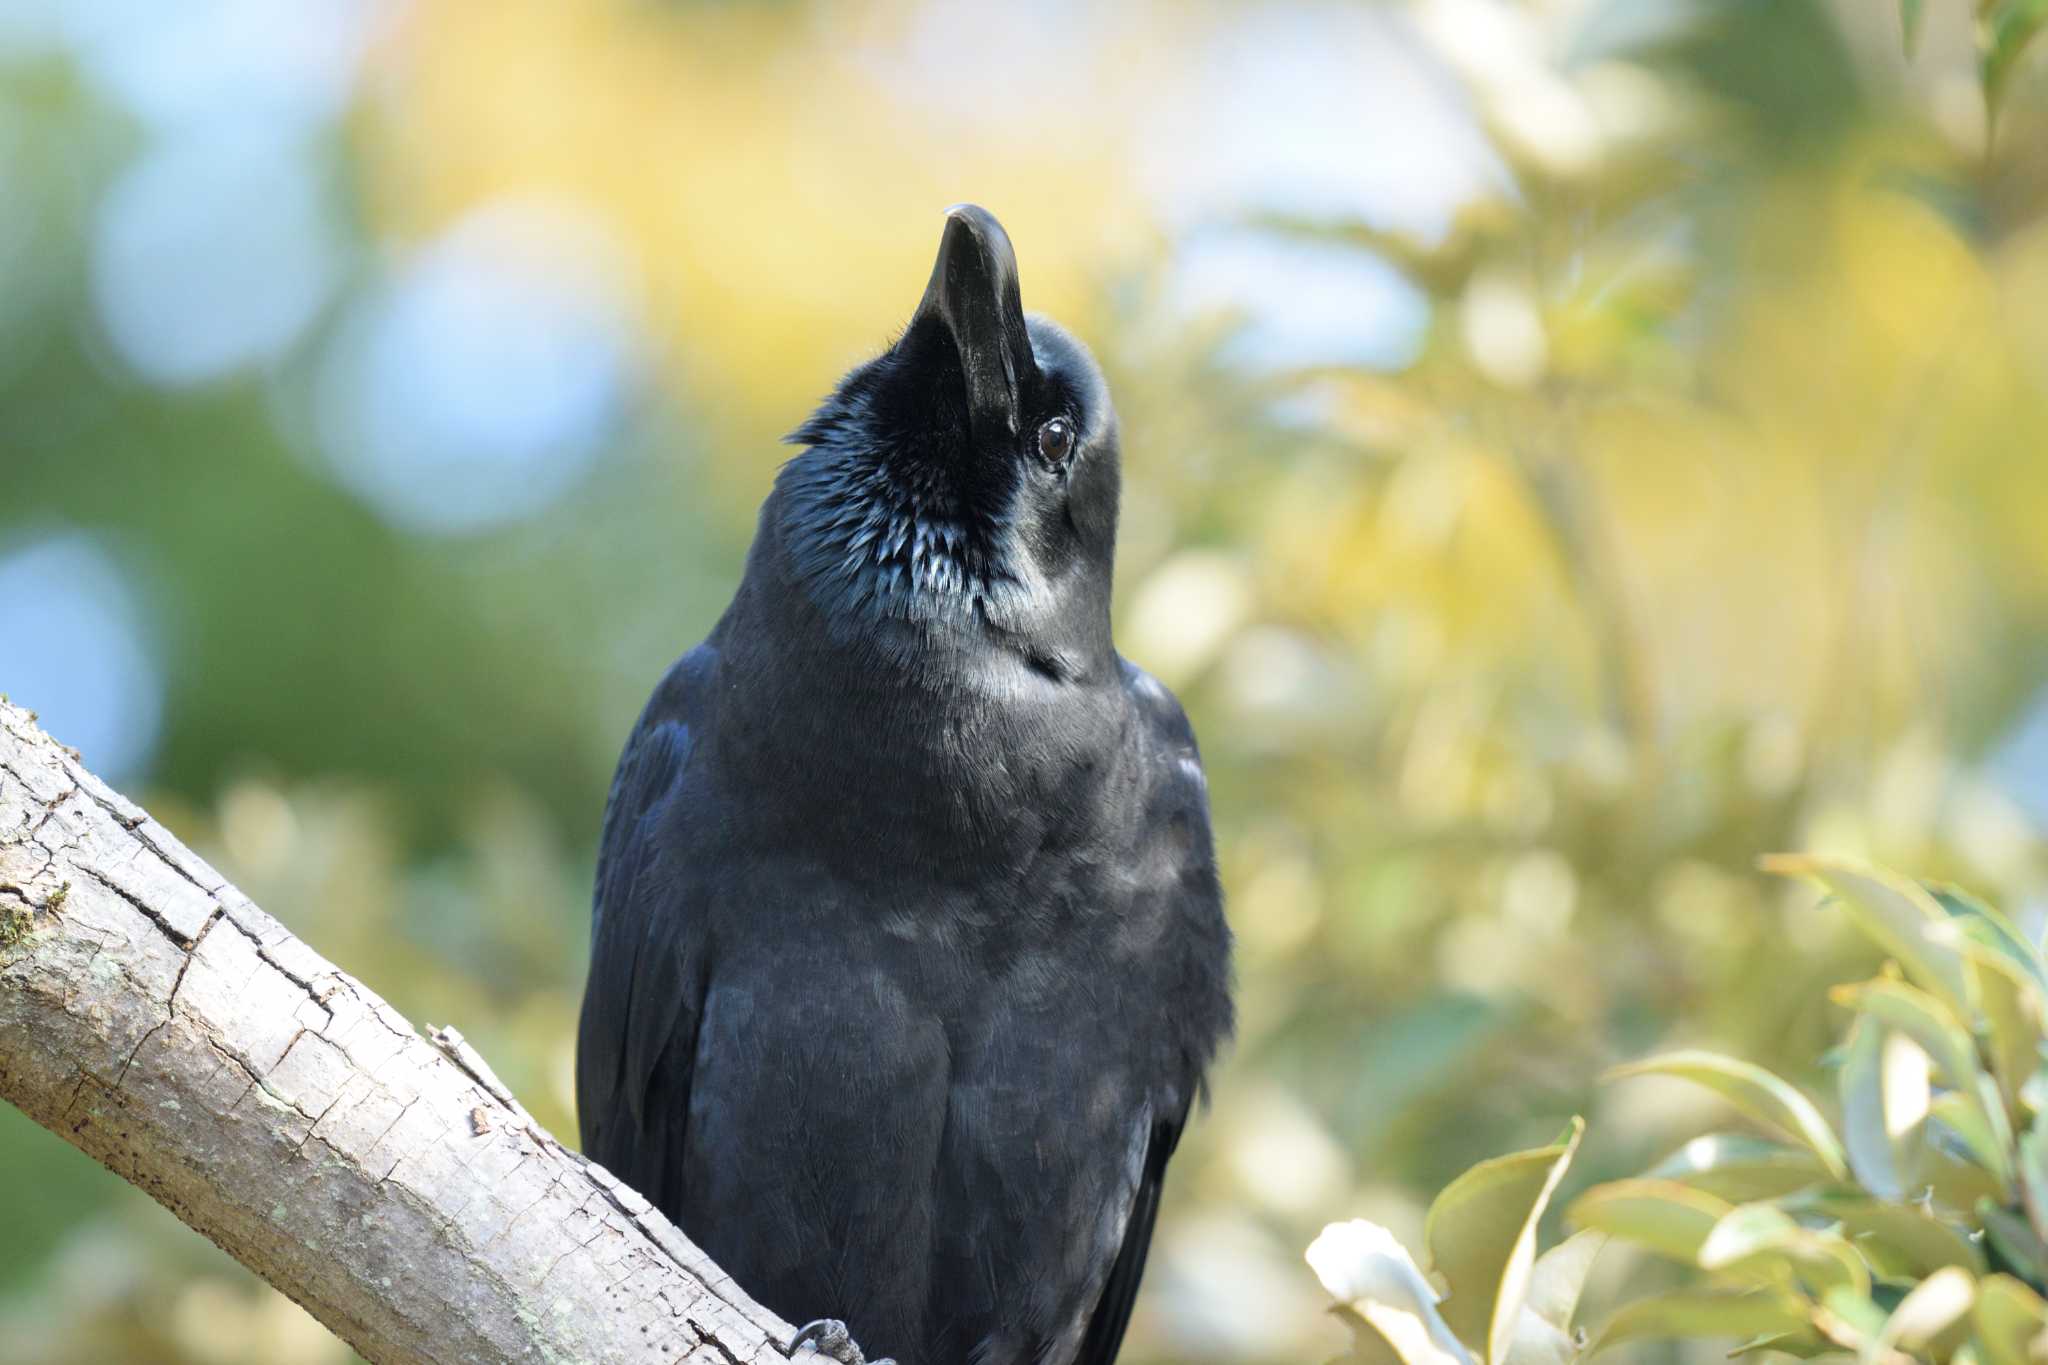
{"points": [[1056, 440]]}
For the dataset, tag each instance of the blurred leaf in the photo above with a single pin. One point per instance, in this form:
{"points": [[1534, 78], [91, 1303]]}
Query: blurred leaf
{"points": [[2011, 1007], [1849, 1317], [2008, 981], [2004, 29], [1759, 1234], [1706, 1313], [1740, 1167], [1756, 1092], [1988, 927], [1481, 1233], [1929, 1310], [1909, 20], [1536, 1342], [1957, 1183], [2013, 1239], [2009, 1317], [1544, 1334], [1440, 268], [1805, 1345], [1922, 1018], [1670, 1219], [1894, 912], [1980, 1129], [2033, 1174], [1884, 1087], [1913, 1239], [1559, 1277]]}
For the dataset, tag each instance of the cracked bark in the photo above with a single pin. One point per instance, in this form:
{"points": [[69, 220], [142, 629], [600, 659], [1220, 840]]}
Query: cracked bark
{"points": [[155, 1018]]}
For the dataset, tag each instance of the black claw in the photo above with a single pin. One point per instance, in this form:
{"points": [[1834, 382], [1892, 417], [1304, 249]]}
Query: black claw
{"points": [[828, 1337]]}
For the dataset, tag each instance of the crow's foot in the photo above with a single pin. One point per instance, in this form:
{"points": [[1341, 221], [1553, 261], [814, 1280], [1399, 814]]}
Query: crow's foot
{"points": [[827, 1337]]}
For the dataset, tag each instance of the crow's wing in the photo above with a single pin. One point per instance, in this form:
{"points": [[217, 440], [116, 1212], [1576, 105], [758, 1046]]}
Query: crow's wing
{"points": [[637, 1041], [1113, 1310], [1176, 840]]}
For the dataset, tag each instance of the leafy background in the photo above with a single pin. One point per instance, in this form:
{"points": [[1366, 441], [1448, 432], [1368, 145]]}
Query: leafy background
{"points": [[1573, 448]]}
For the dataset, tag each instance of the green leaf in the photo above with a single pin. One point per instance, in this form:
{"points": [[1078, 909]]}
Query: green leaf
{"points": [[2009, 982], [1957, 1184], [1902, 1235], [2033, 1174], [2013, 1238], [1921, 1017], [2011, 1007], [1909, 20], [1982, 1131], [1805, 1345], [1885, 1100], [1849, 1318], [1974, 1109], [2004, 30], [1739, 1168], [1927, 1313], [1757, 1093], [1536, 1342], [1559, 1277], [1702, 1313], [1746, 1231], [1543, 1326], [1988, 928], [1481, 1233], [1664, 1216], [2034, 1091], [2009, 1316], [1762, 1235], [1894, 912]]}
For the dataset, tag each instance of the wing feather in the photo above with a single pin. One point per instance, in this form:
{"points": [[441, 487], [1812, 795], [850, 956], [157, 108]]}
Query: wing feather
{"points": [[1113, 1310], [637, 1037], [1177, 822]]}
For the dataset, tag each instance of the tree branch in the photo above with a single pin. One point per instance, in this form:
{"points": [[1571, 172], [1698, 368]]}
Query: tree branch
{"points": [[155, 1018]]}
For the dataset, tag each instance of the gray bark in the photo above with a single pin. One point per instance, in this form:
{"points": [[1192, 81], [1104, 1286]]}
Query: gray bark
{"points": [[155, 1018]]}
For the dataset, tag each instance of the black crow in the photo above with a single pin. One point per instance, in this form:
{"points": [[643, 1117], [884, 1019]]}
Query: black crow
{"points": [[908, 954]]}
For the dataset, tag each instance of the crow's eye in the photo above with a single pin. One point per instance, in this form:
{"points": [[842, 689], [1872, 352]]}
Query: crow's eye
{"points": [[1056, 440]]}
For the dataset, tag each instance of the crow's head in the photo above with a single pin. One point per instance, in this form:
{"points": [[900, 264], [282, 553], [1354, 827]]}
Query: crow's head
{"points": [[966, 477]]}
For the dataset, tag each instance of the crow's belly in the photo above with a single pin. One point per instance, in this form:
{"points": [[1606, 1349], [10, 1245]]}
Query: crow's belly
{"points": [[938, 1177]]}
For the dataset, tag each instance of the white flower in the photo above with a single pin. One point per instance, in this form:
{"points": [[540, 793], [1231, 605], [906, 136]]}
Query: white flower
{"points": [[1366, 1268], [1361, 1260]]}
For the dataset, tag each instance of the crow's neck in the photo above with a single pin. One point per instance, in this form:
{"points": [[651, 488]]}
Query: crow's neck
{"points": [[870, 538], [904, 721]]}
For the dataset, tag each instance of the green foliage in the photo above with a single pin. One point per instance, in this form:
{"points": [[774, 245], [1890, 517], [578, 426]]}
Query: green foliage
{"points": [[1910, 14], [1482, 1239], [1754, 1091], [1503, 1305], [1921, 1236], [15, 923], [2004, 29]]}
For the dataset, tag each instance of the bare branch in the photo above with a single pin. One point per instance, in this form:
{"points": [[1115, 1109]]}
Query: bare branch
{"points": [[155, 1018]]}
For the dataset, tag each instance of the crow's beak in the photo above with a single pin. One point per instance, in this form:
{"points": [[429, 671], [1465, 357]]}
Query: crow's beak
{"points": [[973, 295]]}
